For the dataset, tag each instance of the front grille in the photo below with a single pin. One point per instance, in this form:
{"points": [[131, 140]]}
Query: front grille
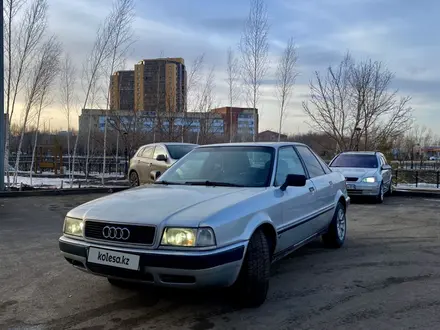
{"points": [[138, 234], [351, 179]]}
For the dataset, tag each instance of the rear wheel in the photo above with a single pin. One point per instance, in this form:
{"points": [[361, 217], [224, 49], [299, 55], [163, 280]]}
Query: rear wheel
{"points": [[335, 237], [134, 179], [252, 284]]}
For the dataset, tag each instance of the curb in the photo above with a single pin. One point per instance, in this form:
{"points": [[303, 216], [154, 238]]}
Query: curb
{"points": [[58, 192], [416, 193]]}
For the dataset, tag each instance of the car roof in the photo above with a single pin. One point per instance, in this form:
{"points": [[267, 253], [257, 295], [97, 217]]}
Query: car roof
{"points": [[253, 144], [168, 144], [360, 153]]}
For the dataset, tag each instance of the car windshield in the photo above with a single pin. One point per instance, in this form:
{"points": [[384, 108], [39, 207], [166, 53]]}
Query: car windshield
{"points": [[353, 160], [242, 166], [177, 151]]}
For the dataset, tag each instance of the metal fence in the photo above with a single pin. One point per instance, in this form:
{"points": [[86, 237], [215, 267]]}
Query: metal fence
{"points": [[417, 178], [95, 164]]}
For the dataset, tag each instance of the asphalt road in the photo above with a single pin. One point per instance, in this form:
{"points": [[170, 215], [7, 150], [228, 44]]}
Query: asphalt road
{"points": [[387, 276]]}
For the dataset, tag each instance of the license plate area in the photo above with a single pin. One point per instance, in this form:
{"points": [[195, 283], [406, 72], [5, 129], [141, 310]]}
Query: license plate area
{"points": [[113, 258]]}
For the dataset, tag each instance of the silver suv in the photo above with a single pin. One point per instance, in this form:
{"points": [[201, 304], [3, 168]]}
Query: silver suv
{"points": [[367, 173]]}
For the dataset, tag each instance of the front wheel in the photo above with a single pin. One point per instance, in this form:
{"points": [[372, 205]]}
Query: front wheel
{"points": [[380, 196], [134, 179], [252, 284], [335, 236]]}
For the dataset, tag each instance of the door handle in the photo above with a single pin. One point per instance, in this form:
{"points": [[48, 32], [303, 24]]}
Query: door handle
{"points": [[311, 189], [330, 183]]}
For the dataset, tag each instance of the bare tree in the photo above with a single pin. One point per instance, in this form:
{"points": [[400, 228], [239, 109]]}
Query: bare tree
{"points": [[121, 24], [233, 85], [45, 98], [254, 48], [68, 98], [20, 48], [101, 52], [286, 76], [194, 77], [353, 102], [42, 75]]}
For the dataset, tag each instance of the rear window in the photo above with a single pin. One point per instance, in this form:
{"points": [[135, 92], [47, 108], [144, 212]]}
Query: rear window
{"points": [[351, 160], [178, 151]]}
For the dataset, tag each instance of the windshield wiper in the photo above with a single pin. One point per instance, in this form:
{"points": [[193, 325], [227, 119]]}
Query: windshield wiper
{"points": [[168, 183], [213, 184]]}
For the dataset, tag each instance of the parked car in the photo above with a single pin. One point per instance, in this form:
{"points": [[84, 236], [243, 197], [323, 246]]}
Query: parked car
{"points": [[218, 217], [367, 173], [155, 158]]}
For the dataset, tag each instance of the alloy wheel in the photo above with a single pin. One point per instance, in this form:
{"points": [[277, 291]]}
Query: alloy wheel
{"points": [[341, 224]]}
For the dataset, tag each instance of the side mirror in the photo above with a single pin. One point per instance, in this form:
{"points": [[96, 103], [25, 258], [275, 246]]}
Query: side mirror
{"points": [[294, 180], [386, 167], [161, 158], [154, 175]]}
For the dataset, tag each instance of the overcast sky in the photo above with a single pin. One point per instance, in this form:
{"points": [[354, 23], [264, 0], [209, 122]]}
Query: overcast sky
{"points": [[401, 33]]}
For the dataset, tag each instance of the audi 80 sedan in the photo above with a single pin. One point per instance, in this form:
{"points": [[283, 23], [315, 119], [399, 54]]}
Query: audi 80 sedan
{"points": [[220, 216]]}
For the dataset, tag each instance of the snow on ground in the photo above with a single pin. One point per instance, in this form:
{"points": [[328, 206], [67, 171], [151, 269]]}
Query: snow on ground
{"points": [[420, 185], [57, 182]]}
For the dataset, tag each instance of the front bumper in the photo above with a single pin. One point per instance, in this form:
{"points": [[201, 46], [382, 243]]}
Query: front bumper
{"points": [[184, 269], [363, 188]]}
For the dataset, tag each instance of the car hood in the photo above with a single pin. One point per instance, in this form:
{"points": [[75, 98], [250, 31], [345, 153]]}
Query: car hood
{"points": [[354, 172], [154, 204]]}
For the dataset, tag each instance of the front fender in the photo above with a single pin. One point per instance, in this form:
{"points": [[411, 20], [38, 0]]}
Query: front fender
{"points": [[255, 222]]}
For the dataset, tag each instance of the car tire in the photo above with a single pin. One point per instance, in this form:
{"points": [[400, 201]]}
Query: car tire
{"points": [[252, 285], [379, 198], [390, 189], [120, 283], [134, 179], [337, 230]]}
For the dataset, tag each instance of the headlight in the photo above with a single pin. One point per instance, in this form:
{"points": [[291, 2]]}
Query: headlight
{"points": [[73, 226], [188, 237], [369, 180]]}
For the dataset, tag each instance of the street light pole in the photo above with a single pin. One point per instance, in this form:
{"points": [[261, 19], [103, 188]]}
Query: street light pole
{"points": [[2, 114], [412, 154], [358, 135], [126, 153]]}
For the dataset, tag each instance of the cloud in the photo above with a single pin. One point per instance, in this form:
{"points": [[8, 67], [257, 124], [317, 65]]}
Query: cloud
{"points": [[399, 33]]}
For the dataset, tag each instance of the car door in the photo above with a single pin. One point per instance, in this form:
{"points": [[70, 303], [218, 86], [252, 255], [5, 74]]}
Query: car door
{"points": [[144, 164], [297, 203], [386, 174], [325, 194], [160, 165]]}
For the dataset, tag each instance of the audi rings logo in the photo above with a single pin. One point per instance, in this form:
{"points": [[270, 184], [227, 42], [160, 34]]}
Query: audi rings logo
{"points": [[115, 233]]}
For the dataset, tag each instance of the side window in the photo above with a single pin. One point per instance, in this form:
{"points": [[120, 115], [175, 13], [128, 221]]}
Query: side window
{"points": [[324, 165], [313, 166], [148, 152], [288, 163], [159, 151], [139, 152], [384, 160]]}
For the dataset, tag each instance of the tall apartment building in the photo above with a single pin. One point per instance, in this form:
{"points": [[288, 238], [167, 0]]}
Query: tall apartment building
{"points": [[160, 85], [122, 90]]}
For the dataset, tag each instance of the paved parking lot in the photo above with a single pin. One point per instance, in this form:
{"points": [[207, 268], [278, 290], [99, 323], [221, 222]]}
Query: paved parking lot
{"points": [[387, 276]]}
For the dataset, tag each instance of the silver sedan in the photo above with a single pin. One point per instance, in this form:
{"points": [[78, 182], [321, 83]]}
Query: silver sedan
{"points": [[220, 216]]}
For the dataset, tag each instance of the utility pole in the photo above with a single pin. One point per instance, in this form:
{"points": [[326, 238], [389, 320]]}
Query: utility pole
{"points": [[2, 111]]}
